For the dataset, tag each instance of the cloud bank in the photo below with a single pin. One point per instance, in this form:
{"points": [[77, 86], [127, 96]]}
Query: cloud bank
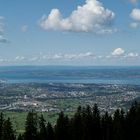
{"points": [[117, 54], [121, 53], [91, 17]]}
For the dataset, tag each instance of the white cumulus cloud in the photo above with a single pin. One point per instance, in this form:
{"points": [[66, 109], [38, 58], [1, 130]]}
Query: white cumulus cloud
{"points": [[135, 14], [91, 17], [118, 52], [132, 55], [121, 53], [19, 58]]}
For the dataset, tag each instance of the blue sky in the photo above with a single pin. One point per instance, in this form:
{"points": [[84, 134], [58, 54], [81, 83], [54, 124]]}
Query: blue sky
{"points": [[69, 32]]}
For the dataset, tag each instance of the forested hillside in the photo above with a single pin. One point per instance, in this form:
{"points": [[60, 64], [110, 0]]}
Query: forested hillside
{"points": [[86, 124]]}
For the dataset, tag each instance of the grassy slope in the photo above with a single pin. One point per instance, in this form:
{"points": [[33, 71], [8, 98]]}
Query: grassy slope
{"points": [[18, 119]]}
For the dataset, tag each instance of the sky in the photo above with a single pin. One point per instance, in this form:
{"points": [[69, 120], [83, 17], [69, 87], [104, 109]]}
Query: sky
{"points": [[70, 32]]}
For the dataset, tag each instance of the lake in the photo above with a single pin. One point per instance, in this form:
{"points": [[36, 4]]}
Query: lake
{"points": [[70, 74]]}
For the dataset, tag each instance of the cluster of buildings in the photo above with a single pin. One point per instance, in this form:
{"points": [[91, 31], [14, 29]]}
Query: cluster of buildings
{"points": [[59, 97]]}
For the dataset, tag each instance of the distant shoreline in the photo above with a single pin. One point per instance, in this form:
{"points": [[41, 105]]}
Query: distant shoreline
{"points": [[71, 74]]}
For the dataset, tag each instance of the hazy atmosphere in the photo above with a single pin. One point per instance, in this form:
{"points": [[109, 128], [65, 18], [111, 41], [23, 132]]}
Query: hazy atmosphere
{"points": [[70, 70], [81, 32]]}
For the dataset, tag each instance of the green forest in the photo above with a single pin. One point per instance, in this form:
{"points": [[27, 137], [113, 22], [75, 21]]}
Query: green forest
{"points": [[86, 124]]}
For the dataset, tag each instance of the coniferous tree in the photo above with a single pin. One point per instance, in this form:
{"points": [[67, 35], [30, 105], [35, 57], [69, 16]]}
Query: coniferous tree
{"points": [[8, 132], [137, 122], [1, 124], [87, 123], [107, 127], [132, 125], [96, 126], [42, 128], [129, 124], [118, 122], [20, 137], [77, 125], [31, 124], [62, 127], [50, 132]]}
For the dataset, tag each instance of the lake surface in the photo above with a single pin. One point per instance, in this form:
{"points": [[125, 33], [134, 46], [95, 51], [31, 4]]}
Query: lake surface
{"points": [[70, 74]]}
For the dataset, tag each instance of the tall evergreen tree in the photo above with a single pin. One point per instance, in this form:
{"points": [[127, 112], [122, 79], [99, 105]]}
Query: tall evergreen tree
{"points": [[1, 124], [87, 123], [118, 124], [137, 123], [42, 128], [50, 132], [31, 126], [77, 125], [62, 127], [20, 137], [132, 125], [8, 132], [96, 126], [107, 127]]}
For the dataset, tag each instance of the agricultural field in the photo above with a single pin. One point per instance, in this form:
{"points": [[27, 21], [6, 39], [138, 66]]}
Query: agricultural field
{"points": [[18, 119]]}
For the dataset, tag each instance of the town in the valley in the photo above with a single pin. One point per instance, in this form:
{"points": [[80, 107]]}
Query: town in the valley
{"points": [[56, 97]]}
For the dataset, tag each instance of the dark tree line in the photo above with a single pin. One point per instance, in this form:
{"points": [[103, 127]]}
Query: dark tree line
{"points": [[6, 129], [86, 124]]}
